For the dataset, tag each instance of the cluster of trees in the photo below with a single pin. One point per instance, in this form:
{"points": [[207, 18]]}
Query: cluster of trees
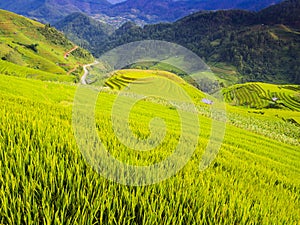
{"points": [[54, 36], [32, 47]]}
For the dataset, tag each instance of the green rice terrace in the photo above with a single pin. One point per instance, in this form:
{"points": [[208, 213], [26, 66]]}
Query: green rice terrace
{"points": [[121, 79], [260, 95], [255, 178]]}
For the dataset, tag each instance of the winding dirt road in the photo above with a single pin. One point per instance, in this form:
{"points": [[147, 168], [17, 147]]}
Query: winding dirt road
{"points": [[86, 71]]}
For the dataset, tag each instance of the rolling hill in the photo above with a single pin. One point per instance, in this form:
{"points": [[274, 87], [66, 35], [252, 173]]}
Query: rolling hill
{"points": [[31, 49]]}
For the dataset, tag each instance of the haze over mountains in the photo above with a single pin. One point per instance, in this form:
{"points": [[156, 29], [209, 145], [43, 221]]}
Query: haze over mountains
{"points": [[49, 11], [169, 10], [149, 11]]}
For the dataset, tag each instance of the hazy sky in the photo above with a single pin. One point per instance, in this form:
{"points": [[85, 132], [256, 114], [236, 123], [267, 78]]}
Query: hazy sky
{"points": [[116, 1]]}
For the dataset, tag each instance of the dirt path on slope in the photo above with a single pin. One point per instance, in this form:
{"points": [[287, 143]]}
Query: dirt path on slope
{"points": [[66, 55]]}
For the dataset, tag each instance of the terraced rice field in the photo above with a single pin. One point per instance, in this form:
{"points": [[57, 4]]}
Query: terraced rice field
{"points": [[122, 78], [259, 96]]}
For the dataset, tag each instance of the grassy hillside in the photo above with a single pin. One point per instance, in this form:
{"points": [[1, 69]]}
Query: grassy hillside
{"points": [[44, 178], [31, 49]]}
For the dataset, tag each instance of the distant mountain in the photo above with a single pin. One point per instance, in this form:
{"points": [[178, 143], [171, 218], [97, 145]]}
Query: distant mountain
{"points": [[51, 11], [148, 11], [85, 31], [169, 10]]}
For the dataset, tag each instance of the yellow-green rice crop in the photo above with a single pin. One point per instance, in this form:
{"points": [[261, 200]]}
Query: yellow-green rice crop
{"points": [[45, 180]]}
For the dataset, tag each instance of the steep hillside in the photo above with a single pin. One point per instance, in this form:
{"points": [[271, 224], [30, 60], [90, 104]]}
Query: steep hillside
{"points": [[287, 12], [31, 49]]}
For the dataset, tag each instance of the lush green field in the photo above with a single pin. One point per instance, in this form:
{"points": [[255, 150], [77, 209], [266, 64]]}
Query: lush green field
{"points": [[44, 179], [30, 49]]}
